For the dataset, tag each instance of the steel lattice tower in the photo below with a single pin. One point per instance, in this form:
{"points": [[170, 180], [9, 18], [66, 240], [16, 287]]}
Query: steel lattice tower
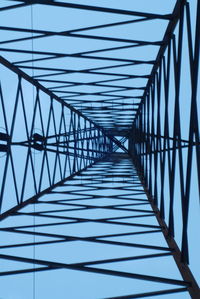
{"points": [[99, 149]]}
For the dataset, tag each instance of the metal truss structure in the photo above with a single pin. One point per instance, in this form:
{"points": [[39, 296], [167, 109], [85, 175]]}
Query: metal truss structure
{"points": [[79, 81]]}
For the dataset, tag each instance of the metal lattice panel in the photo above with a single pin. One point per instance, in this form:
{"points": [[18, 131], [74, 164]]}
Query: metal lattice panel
{"points": [[42, 140], [100, 223], [79, 79], [107, 78]]}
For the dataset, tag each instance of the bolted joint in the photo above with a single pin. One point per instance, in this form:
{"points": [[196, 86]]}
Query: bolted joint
{"points": [[38, 142], [4, 142]]}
